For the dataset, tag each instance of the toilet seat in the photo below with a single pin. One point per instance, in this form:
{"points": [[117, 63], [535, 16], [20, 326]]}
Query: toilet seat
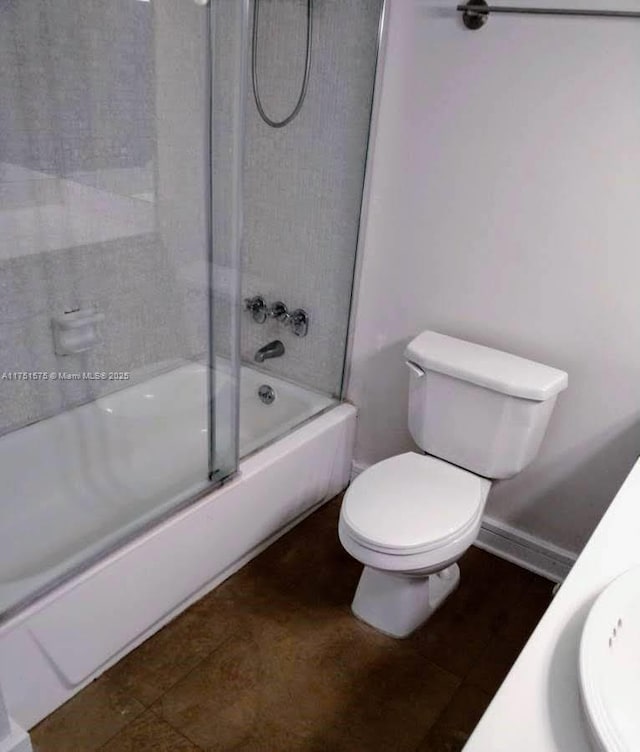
{"points": [[412, 504]]}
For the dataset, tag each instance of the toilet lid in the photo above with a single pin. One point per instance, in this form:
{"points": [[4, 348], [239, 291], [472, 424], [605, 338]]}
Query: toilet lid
{"points": [[412, 503]]}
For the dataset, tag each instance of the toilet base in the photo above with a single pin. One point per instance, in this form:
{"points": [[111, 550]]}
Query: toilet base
{"points": [[397, 605]]}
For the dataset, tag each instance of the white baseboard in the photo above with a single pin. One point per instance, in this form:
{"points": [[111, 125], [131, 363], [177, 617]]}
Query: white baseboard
{"points": [[513, 544], [524, 549]]}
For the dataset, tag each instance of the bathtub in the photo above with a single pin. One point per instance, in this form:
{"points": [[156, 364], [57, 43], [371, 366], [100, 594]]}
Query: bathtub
{"points": [[76, 485]]}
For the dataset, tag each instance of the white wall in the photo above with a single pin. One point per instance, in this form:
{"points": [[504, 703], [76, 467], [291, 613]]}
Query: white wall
{"points": [[504, 208]]}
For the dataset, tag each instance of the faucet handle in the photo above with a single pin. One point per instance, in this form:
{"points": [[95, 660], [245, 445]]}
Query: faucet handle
{"points": [[278, 311], [298, 320], [258, 308]]}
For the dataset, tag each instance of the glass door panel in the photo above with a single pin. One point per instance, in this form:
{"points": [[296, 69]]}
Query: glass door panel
{"points": [[118, 354]]}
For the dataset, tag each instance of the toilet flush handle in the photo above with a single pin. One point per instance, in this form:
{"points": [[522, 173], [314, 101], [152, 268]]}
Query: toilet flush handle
{"points": [[415, 369]]}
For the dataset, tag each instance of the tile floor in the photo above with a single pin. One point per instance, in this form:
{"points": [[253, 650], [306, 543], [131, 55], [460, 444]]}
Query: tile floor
{"points": [[273, 661]]}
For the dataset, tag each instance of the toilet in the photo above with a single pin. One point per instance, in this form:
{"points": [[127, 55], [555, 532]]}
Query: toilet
{"points": [[477, 414]]}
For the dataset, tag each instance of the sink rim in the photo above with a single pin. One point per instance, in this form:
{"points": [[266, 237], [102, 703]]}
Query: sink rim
{"points": [[620, 592]]}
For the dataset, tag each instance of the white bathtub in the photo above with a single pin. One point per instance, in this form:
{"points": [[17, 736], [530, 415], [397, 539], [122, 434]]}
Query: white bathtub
{"points": [[76, 484]]}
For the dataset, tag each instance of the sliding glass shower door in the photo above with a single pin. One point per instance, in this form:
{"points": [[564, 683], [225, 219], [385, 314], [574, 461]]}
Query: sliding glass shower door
{"points": [[119, 217]]}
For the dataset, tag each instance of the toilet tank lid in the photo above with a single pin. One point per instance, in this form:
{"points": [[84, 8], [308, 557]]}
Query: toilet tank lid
{"points": [[493, 369]]}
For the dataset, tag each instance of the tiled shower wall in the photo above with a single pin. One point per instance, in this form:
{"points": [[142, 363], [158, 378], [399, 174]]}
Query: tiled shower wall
{"points": [[94, 104], [77, 94], [93, 101], [304, 181], [148, 321]]}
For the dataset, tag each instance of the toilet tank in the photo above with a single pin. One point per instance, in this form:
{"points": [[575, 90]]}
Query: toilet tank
{"points": [[479, 408]]}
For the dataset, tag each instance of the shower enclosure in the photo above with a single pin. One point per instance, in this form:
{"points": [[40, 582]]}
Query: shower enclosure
{"points": [[180, 193]]}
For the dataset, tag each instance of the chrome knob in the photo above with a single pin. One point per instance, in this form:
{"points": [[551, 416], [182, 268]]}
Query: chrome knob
{"points": [[279, 311], [257, 306], [299, 322]]}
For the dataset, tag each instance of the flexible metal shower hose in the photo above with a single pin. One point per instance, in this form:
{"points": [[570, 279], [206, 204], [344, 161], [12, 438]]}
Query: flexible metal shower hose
{"points": [[254, 68]]}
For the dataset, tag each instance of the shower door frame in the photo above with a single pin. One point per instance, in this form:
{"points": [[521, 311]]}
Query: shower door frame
{"points": [[365, 203], [219, 475]]}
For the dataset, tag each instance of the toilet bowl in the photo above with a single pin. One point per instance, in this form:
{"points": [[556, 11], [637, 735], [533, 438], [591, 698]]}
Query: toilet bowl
{"points": [[477, 414], [408, 519]]}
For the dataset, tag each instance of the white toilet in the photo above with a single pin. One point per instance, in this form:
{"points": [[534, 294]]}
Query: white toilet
{"points": [[478, 414]]}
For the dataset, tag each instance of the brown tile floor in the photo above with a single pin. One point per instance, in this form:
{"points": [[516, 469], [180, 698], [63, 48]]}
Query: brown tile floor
{"points": [[273, 661]]}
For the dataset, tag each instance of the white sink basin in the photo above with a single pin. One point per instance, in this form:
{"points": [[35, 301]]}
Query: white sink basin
{"points": [[610, 666]]}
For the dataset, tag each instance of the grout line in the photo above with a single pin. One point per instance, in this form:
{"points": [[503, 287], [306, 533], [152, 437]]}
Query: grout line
{"points": [[136, 718], [178, 730], [184, 676], [432, 662], [179, 678], [494, 634], [129, 722], [429, 731], [427, 736], [183, 735]]}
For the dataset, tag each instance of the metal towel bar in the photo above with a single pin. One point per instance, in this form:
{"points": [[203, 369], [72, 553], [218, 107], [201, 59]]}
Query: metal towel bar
{"points": [[476, 13]]}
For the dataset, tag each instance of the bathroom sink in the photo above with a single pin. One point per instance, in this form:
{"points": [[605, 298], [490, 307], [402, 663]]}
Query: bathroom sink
{"points": [[609, 666]]}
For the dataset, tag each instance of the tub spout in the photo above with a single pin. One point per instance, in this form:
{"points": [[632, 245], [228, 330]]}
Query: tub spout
{"points": [[274, 349]]}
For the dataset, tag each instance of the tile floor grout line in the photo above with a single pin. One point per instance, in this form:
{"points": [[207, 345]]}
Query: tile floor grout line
{"points": [[526, 591], [485, 647], [440, 715], [462, 678], [183, 677], [432, 663], [179, 679], [137, 717], [126, 725], [184, 736], [494, 633], [180, 732]]}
